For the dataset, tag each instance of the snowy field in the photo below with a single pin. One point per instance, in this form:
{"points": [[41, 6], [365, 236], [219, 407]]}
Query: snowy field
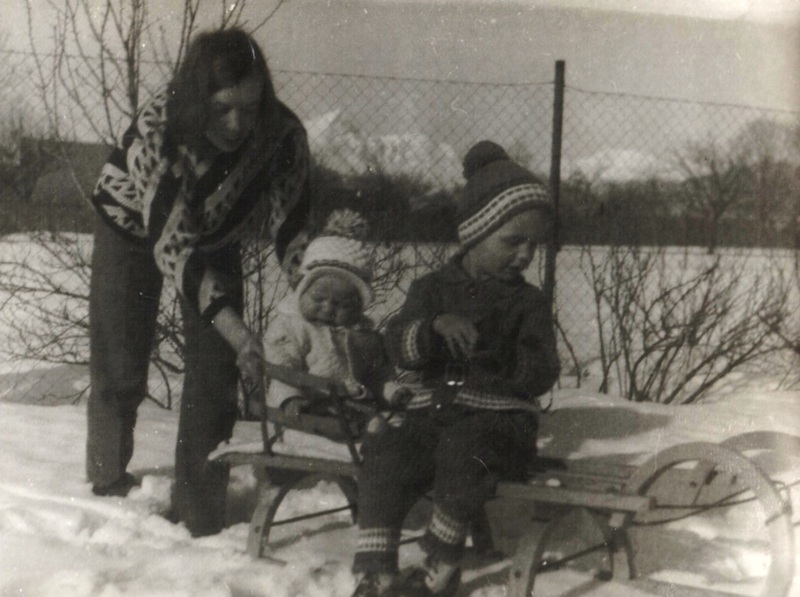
{"points": [[58, 540]]}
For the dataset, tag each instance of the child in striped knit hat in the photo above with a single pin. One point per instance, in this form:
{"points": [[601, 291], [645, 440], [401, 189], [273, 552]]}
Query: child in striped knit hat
{"points": [[320, 327], [481, 341]]}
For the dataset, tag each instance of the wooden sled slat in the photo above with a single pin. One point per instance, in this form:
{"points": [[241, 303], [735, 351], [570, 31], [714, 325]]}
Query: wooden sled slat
{"points": [[612, 502]]}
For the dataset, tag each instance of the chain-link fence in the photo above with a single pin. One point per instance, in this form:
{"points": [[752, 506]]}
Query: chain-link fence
{"points": [[675, 217], [653, 195]]}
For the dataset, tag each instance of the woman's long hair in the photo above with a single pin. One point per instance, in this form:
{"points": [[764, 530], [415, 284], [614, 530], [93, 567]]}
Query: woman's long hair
{"points": [[214, 60]]}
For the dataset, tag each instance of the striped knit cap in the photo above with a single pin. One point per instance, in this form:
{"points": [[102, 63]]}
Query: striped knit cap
{"points": [[340, 250], [497, 189]]}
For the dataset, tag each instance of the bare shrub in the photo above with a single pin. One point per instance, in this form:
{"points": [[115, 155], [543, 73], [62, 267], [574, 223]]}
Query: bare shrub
{"points": [[102, 60], [45, 276], [788, 331], [44, 285], [669, 332]]}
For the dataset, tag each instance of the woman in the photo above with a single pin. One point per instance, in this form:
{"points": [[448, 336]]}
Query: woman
{"points": [[200, 162]]}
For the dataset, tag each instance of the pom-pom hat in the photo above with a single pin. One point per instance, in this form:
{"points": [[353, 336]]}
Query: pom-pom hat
{"points": [[339, 251], [496, 190]]}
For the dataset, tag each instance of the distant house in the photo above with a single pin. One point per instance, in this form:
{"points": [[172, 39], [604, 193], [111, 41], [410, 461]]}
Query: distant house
{"points": [[52, 184], [60, 172]]}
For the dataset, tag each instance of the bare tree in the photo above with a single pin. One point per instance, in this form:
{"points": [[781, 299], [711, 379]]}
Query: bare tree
{"points": [[718, 180], [768, 149], [106, 54], [107, 57], [750, 176]]}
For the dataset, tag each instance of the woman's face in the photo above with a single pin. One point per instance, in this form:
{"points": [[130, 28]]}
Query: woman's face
{"points": [[234, 113]]}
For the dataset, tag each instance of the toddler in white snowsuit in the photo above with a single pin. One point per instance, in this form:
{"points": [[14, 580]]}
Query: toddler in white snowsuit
{"points": [[320, 328]]}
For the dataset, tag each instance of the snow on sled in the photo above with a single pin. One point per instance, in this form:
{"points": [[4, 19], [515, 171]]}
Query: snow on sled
{"points": [[646, 524]]}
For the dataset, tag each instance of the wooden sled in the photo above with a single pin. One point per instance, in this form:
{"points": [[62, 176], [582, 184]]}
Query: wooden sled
{"points": [[613, 520]]}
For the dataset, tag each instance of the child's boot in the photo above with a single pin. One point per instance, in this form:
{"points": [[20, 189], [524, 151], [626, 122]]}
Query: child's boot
{"points": [[435, 578], [376, 584]]}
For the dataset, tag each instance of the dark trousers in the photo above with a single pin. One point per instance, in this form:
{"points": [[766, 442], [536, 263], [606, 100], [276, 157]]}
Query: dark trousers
{"points": [[460, 454], [123, 307]]}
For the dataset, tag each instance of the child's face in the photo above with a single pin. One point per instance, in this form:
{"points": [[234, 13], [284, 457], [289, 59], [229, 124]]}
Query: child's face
{"points": [[508, 251], [331, 300]]}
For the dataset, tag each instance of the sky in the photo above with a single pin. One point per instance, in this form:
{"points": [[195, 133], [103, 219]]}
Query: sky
{"points": [[745, 57], [763, 10], [730, 51], [743, 60]]}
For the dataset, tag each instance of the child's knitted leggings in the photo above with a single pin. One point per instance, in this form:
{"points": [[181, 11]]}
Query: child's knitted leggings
{"points": [[460, 453]]}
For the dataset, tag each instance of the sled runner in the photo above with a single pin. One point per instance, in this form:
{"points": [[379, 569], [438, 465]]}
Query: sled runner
{"points": [[621, 522]]}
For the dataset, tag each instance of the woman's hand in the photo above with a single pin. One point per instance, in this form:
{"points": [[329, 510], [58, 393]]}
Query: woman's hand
{"points": [[355, 390], [250, 361], [459, 333], [248, 346]]}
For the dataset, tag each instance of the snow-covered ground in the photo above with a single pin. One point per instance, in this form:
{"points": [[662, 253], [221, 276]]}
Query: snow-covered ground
{"points": [[58, 540]]}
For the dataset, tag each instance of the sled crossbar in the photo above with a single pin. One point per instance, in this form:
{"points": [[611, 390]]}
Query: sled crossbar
{"points": [[610, 502], [305, 464]]}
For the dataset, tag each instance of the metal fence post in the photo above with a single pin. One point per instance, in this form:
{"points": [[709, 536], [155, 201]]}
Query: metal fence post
{"points": [[555, 181]]}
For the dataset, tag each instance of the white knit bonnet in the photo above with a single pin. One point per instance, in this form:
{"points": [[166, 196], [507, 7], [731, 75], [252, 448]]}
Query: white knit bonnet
{"points": [[340, 250]]}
